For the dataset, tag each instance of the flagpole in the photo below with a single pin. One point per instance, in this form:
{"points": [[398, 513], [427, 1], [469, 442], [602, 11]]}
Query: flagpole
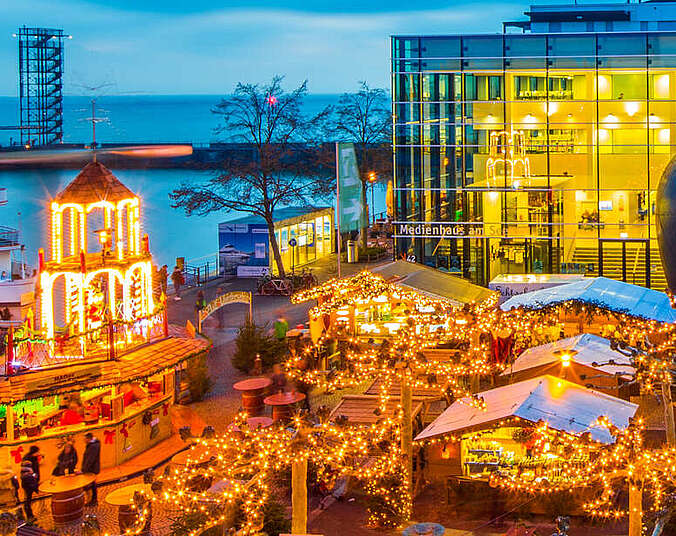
{"points": [[338, 207]]}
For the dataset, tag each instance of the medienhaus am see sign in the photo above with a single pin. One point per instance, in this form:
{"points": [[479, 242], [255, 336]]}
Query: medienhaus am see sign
{"points": [[439, 229]]}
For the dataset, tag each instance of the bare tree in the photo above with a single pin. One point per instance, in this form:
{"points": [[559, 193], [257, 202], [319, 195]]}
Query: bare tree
{"points": [[285, 169], [365, 118]]}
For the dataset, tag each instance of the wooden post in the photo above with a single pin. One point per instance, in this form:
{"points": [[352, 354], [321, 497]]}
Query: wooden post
{"points": [[668, 413], [299, 497], [9, 420], [407, 429], [635, 507]]}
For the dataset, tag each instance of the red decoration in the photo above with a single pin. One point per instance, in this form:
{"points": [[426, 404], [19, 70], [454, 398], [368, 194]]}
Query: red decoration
{"points": [[124, 430], [16, 453], [108, 436], [165, 408]]}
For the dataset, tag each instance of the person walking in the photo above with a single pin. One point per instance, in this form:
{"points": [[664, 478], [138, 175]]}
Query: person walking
{"points": [[163, 274], [34, 456], [67, 461], [280, 327], [178, 280], [29, 483], [91, 463]]}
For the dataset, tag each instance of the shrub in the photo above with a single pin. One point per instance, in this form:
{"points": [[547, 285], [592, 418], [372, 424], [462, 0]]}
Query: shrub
{"points": [[251, 340], [199, 382], [275, 521]]}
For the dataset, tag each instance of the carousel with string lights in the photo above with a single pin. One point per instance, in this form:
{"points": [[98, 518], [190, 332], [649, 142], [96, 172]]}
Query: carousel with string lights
{"points": [[97, 354]]}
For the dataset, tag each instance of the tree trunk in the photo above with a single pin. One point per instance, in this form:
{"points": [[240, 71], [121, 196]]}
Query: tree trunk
{"points": [[635, 507], [365, 208], [274, 248], [668, 413], [299, 497]]}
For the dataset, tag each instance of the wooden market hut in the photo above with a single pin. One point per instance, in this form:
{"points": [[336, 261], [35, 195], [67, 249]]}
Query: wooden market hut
{"points": [[563, 405], [365, 409], [585, 359], [98, 354], [606, 294]]}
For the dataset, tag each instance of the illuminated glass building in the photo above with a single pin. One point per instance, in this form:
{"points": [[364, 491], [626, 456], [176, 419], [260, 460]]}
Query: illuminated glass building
{"points": [[539, 151]]}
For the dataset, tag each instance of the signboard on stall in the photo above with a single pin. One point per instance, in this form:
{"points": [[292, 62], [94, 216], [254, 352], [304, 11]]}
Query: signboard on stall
{"points": [[509, 285], [61, 379]]}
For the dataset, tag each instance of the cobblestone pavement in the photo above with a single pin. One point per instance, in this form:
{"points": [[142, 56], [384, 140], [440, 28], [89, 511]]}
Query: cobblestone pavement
{"points": [[106, 514], [221, 405]]}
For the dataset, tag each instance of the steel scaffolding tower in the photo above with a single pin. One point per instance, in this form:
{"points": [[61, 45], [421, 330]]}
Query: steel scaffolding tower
{"points": [[40, 85]]}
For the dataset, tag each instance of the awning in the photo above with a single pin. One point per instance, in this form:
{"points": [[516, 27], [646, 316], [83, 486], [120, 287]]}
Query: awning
{"points": [[563, 405], [586, 349], [603, 292], [433, 282]]}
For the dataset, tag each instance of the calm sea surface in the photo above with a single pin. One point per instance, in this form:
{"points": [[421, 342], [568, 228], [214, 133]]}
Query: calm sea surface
{"points": [[132, 119]]}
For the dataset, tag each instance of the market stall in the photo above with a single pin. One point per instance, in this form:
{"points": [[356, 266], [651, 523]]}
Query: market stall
{"points": [[98, 354], [586, 359], [474, 441]]}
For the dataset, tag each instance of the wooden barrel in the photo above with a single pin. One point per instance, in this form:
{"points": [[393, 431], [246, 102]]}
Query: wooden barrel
{"points": [[126, 518], [7, 497], [252, 401], [67, 506], [282, 413]]}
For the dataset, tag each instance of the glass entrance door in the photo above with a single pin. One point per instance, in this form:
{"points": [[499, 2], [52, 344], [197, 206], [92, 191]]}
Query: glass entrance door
{"points": [[625, 260]]}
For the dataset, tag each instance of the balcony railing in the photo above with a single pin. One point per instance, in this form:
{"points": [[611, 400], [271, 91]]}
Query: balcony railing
{"points": [[109, 341], [8, 236]]}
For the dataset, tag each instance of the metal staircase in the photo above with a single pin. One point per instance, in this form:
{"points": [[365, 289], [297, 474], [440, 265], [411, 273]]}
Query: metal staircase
{"points": [[634, 265]]}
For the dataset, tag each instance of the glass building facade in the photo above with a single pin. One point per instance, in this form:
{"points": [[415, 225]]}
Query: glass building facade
{"points": [[533, 152]]}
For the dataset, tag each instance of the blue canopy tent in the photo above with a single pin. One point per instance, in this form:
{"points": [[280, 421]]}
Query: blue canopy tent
{"points": [[603, 292]]}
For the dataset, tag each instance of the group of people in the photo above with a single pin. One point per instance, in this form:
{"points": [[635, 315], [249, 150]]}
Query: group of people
{"points": [[177, 279], [66, 464]]}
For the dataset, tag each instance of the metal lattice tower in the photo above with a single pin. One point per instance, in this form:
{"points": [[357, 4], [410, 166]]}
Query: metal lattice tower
{"points": [[41, 85]]}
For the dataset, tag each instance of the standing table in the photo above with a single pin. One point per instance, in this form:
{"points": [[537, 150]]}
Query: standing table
{"points": [[67, 496], [123, 498], [253, 391], [283, 404]]}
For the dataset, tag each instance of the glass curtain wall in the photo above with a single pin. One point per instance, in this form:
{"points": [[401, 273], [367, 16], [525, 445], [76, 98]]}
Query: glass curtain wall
{"points": [[526, 153]]}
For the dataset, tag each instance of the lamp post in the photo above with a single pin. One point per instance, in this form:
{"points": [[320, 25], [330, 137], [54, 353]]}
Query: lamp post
{"points": [[372, 180]]}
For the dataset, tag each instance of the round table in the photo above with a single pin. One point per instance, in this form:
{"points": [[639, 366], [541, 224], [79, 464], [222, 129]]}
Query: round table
{"points": [[198, 457], [123, 498], [283, 404], [253, 391], [67, 496]]}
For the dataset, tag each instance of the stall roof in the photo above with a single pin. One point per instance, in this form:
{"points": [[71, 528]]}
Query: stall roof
{"points": [[432, 282], [281, 214], [607, 293], [361, 409], [135, 365], [563, 405], [585, 349]]}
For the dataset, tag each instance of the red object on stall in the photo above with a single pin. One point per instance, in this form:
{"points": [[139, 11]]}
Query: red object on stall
{"points": [[108, 436], [41, 260], [83, 262], [70, 416], [16, 454]]}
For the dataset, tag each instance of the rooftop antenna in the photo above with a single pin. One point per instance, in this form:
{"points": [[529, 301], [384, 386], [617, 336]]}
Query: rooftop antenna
{"points": [[93, 119]]}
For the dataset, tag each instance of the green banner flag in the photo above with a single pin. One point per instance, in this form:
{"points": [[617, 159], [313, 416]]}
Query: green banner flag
{"points": [[352, 213]]}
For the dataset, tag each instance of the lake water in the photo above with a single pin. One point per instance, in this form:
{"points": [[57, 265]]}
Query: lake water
{"points": [[140, 118], [144, 118], [172, 233]]}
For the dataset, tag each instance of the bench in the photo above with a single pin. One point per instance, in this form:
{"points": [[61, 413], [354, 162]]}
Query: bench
{"points": [[31, 530]]}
